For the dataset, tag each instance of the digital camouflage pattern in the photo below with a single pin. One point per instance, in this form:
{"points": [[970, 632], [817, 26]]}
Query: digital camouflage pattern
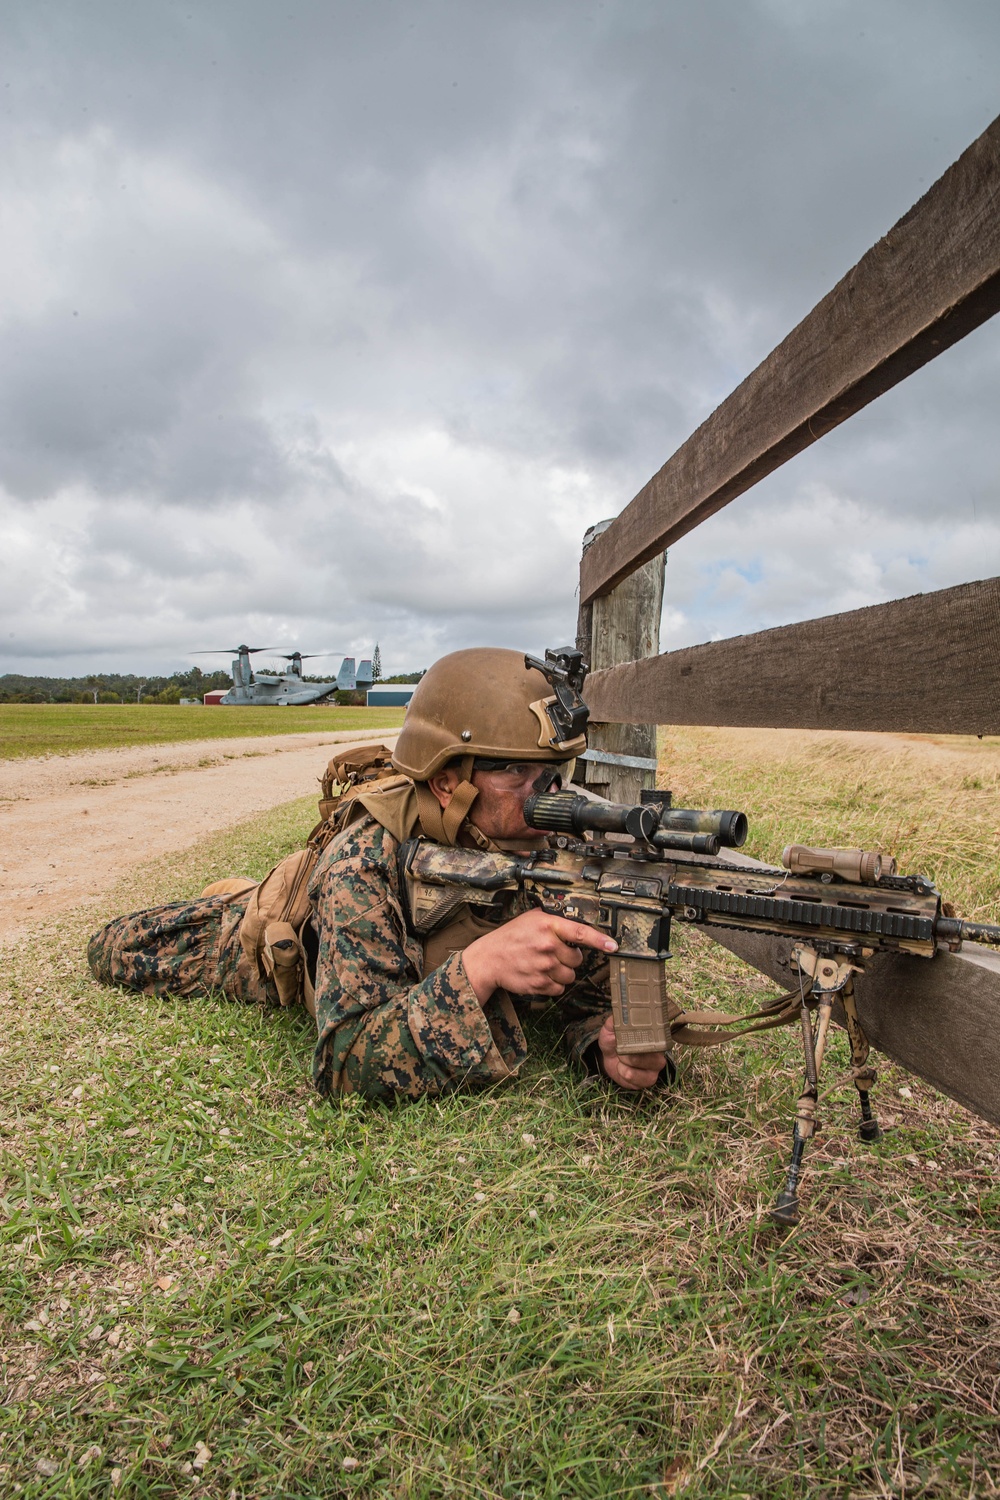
{"points": [[185, 948], [385, 1030]]}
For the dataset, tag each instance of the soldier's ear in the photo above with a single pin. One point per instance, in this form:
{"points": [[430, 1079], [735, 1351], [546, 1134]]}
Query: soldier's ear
{"points": [[444, 783]]}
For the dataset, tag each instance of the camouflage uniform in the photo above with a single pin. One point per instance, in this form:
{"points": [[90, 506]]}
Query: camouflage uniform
{"points": [[185, 948], [385, 1030]]}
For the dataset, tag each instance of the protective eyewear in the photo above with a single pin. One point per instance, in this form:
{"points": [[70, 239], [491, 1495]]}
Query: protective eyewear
{"points": [[540, 775]]}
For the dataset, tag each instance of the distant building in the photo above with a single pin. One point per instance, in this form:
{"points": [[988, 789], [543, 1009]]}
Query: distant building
{"points": [[215, 697], [190, 703], [390, 694]]}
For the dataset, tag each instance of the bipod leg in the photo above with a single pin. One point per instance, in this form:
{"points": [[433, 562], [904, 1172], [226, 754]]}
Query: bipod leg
{"points": [[864, 1075], [786, 1208], [828, 977]]}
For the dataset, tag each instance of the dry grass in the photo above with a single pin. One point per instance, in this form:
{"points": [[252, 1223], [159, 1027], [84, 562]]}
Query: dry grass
{"points": [[545, 1290], [931, 801]]}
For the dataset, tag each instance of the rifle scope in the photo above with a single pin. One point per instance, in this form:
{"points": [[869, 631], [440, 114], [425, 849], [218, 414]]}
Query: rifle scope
{"points": [[703, 833]]}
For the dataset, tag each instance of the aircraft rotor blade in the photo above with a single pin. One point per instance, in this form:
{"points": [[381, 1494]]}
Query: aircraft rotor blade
{"points": [[232, 651], [307, 655]]}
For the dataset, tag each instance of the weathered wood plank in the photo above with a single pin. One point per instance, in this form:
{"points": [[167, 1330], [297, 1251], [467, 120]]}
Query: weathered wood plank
{"points": [[624, 626], [939, 1017], [929, 664], [932, 279]]}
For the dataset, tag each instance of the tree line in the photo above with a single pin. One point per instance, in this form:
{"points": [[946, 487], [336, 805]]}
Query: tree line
{"points": [[131, 687], [111, 687]]}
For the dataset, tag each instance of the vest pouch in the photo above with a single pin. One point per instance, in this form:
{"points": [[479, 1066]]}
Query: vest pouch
{"points": [[282, 896], [269, 930], [282, 961]]}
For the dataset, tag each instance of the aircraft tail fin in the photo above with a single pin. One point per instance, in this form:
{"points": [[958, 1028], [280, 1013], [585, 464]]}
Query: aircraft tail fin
{"points": [[346, 678]]}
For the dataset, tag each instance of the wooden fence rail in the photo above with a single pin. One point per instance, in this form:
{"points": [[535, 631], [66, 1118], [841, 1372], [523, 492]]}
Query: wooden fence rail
{"points": [[929, 282], [929, 664]]}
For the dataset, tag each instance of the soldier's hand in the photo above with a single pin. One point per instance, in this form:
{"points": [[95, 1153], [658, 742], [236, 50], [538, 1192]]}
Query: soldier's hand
{"points": [[535, 954], [630, 1070]]}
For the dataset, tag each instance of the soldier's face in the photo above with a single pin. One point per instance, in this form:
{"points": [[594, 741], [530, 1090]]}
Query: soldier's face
{"points": [[498, 811]]}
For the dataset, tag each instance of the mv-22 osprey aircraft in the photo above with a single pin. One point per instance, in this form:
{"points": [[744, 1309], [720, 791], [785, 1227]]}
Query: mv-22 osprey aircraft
{"points": [[261, 690]]}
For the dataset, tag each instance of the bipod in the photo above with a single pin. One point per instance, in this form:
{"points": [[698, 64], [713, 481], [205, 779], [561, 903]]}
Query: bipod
{"points": [[831, 976]]}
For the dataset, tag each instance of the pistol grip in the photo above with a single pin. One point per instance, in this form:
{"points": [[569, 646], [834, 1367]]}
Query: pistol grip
{"points": [[642, 1013]]}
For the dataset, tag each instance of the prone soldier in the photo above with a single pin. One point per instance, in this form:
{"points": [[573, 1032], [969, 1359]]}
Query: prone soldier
{"points": [[399, 1016]]}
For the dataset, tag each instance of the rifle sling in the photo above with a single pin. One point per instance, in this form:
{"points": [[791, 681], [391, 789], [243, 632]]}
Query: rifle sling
{"points": [[784, 1010]]}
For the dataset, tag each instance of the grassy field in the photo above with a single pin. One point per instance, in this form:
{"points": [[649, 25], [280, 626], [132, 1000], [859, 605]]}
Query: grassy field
{"points": [[60, 728], [545, 1290]]}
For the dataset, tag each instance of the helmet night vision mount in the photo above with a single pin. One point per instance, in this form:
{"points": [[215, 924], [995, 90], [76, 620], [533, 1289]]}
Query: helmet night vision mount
{"points": [[564, 669]]}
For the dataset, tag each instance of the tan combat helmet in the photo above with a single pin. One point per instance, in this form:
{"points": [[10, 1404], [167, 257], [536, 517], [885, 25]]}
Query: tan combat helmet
{"points": [[488, 703]]}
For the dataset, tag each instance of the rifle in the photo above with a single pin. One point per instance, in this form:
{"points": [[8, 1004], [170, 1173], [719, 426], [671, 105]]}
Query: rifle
{"points": [[630, 871]]}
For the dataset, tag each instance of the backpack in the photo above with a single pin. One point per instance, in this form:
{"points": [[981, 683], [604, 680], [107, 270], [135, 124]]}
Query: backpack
{"points": [[350, 772], [279, 907]]}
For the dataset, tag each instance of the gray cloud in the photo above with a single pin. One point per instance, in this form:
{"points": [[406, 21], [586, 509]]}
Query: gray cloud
{"points": [[345, 321]]}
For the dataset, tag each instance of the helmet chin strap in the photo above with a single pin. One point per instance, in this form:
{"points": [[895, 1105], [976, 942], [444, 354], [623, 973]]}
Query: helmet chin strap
{"points": [[443, 824]]}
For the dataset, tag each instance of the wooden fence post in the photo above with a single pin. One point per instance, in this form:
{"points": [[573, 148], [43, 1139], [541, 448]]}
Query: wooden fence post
{"points": [[612, 629]]}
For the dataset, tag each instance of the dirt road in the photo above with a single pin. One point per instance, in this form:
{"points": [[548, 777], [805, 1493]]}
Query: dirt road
{"points": [[72, 825]]}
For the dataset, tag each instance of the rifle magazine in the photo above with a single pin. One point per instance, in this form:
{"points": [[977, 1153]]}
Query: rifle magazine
{"points": [[642, 1012]]}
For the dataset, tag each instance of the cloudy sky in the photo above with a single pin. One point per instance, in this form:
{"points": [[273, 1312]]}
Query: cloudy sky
{"points": [[327, 323]]}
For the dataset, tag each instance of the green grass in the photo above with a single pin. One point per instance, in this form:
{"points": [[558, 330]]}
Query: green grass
{"points": [[61, 728], [545, 1290]]}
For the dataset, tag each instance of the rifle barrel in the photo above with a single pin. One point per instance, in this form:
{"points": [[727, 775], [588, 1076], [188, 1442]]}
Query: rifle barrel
{"points": [[969, 932]]}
